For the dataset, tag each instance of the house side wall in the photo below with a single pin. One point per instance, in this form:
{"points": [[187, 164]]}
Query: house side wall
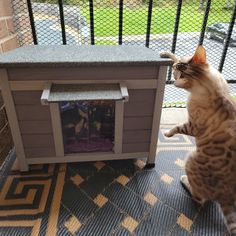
{"points": [[36, 128], [138, 112], [8, 42], [35, 124]]}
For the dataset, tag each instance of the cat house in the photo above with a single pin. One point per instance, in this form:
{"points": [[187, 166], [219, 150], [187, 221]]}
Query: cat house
{"points": [[83, 103]]}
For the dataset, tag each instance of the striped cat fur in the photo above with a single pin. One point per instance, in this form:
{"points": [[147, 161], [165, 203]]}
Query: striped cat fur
{"points": [[211, 168]]}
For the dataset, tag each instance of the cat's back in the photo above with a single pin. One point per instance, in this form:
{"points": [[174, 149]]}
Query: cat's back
{"points": [[220, 111], [215, 144], [224, 116], [215, 125]]}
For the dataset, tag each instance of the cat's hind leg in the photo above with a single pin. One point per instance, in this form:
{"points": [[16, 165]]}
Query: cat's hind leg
{"points": [[229, 211], [185, 183]]}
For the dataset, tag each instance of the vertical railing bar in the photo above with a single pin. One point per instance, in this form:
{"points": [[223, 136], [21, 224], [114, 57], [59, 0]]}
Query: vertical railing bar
{"points": [[91, 22], [149, 21], [204, 23], [175, 35], [227, 40], [121, 4], [32, 24], [176, 29], [62, 19]]}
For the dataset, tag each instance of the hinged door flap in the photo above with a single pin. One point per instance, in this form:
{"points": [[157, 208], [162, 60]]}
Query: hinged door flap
{"points": [[83, 92]]}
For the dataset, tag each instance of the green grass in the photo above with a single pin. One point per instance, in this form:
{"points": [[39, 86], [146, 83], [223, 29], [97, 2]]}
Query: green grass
{"points": [[105, 42], [163, 19]]}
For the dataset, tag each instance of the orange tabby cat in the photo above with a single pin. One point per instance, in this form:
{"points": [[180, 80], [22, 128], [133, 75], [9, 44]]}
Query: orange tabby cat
{"points": [[211, 168]]}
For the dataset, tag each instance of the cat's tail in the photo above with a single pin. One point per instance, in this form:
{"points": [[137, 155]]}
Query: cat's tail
{"points": [[229, 211]]}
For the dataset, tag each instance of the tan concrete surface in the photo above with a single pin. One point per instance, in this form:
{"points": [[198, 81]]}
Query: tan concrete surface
{"points": [[174, 115]]}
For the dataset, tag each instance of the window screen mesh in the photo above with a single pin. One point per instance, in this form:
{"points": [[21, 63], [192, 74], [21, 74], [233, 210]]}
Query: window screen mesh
{"points": [[177, 26]]}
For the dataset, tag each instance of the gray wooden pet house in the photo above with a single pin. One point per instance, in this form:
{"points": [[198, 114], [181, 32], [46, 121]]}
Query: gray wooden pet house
{"points": [[83, 103]]}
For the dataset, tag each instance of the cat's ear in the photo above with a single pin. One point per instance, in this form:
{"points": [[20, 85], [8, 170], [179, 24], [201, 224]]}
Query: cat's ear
{"points": [[199, 56]]}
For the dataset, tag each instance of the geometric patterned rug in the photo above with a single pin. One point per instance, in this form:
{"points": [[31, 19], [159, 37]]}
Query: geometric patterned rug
{"points": [[119, 198]]}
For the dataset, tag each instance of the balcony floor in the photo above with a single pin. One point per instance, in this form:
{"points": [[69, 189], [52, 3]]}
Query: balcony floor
{"points": [[106, 198]]}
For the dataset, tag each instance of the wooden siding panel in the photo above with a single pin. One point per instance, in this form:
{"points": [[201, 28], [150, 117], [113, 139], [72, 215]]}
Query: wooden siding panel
{"points": [[137, 136], [38, 140], [40, 152], [138, 114], [135, 147], [35, 122], [36, 127], [141, 95], [27, 97], [101, 73], [32, 112], [141, 103], [138, 109], [137, 123]]}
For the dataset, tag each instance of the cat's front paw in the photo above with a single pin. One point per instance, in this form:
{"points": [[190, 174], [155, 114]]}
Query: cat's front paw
{"points": [[168, 134], [164, 54]]}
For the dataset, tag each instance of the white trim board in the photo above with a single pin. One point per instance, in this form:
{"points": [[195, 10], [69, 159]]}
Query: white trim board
{"points": [[39, 85], [87, 157]]}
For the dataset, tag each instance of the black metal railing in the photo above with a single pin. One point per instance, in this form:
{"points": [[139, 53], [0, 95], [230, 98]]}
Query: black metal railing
{"points": [[204, 23], [63, 31], [121, 4], [149, 20], [31, 18], [177, 26], [227, 41], [91, 22]]}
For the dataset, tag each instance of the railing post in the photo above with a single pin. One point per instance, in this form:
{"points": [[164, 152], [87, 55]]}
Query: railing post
{"points": [[62, 19], [176, 30], [31, 17], [121, 4], [204, 23], [149, 22], [91, 22], [227, 40]]}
